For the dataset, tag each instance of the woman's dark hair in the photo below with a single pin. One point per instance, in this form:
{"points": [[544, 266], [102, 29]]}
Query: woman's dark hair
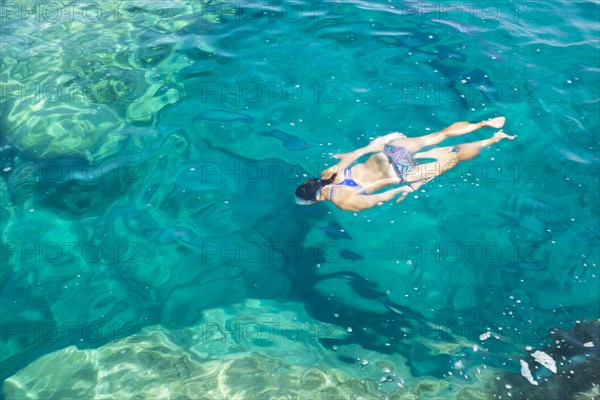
{"points": [[308, 190]]}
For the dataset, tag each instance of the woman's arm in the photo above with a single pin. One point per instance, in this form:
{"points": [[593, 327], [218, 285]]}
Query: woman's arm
{"points": [[360, 202], [380, 184], [357, 202], [347, 159]]}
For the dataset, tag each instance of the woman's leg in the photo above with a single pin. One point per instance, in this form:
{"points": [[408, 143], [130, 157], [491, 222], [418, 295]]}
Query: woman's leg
{"points": [[456, 129], [449, 157]]}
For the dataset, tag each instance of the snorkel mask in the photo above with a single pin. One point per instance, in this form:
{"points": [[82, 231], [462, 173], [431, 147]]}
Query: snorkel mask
{"points": [[310, 191], [303, 202]]}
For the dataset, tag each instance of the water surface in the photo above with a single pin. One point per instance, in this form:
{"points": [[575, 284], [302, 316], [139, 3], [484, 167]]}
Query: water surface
{"points": [[150, 152]]}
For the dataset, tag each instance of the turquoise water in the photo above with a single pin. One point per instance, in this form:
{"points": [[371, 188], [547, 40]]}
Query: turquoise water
{"points": [[151, 246]]}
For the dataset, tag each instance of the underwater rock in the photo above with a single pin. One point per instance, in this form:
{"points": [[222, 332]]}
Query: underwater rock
{"points": [[68, 88], [262, 349], [151, 103], [154, 367], [206, 361], [152, 56], [566, 369], [44, 129]]}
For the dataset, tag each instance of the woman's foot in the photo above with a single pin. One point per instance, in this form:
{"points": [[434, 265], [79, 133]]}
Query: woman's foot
{"points": [[501, 135], [497, 122], [498, 136]]}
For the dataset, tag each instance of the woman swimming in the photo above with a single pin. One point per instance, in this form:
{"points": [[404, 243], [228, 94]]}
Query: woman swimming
{"points": [[352, 188]]}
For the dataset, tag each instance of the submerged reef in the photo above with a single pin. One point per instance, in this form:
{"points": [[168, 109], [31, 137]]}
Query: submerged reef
{"points": [[209, 361], [569, 368], [263, 349], [77, 83]]}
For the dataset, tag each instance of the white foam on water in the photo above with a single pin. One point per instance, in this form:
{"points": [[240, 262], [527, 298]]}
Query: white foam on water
{"points": [[545, 360], [527, 373]]}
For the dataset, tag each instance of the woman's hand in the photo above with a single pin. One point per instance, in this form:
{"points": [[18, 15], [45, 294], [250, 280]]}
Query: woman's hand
{"points": [[404, 191], [345, 156], [377, 144], [345, 159], [401, 197], [411, 187]]}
